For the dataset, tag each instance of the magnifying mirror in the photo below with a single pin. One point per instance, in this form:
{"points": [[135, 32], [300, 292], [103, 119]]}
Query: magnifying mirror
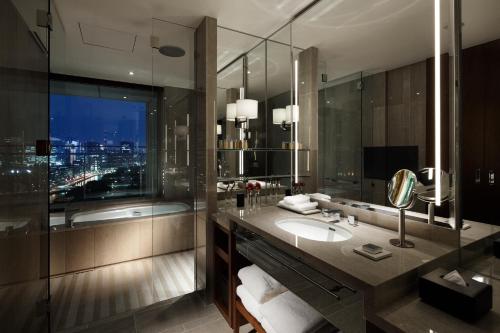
{"points": [[425, 189], [401, 192], [426, 185]]}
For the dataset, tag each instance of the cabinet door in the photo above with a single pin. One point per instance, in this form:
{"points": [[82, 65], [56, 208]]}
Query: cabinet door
{"points": [[473, 174], [492, 131]]}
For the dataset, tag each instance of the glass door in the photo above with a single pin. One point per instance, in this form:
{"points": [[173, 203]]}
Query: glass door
{"points": [[24, 287]]}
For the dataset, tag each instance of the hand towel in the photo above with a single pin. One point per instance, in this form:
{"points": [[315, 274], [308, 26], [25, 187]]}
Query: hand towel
{"points": [[249, 302], [267, 327], [287, 313], [260, 284], [297, 199]]}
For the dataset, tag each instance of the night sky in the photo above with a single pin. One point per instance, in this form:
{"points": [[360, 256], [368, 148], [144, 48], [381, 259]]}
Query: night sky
{"points": [[97, 119]]}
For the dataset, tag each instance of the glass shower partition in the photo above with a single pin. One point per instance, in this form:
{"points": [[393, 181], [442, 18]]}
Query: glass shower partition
{"points": [[172, 174], [340, 148], [24, 287]]}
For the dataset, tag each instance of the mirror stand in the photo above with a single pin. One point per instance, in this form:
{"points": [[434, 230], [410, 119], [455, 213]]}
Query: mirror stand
{"points": [[402, 242], [430, 212]]}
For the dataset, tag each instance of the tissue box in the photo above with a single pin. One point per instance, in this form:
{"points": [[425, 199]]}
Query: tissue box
{"points": [[467, 303], [496, 248]]}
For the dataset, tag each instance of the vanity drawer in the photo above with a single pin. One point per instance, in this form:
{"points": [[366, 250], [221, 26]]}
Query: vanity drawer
{"points": [[339, 304]]}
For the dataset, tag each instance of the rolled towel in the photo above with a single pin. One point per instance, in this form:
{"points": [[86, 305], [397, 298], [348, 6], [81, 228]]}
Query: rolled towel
{"points": [[296, 199], [320, 196], [287, 313], [249, 302], [260, 284], [302, 206]]}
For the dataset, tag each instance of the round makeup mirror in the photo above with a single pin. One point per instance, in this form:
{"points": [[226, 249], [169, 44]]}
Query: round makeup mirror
{"points": [[426, 189], [426, 185], [401, 189]]}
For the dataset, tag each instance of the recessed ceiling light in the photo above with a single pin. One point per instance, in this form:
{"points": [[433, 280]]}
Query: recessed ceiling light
{"points": [[124, 97], [131, 73], [248, 72]]}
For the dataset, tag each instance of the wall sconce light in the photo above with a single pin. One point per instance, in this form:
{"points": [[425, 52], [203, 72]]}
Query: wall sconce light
{"points": [[231, 112], [243, 110], [284, 116], [219, 129], [246, 109]]}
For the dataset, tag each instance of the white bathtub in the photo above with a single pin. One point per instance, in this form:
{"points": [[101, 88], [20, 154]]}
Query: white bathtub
{"points": [[126, 212]]}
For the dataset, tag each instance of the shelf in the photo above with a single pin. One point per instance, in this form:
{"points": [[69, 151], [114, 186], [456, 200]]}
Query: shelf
{"points": [[261, 149], [233, 179], [223, 255]]}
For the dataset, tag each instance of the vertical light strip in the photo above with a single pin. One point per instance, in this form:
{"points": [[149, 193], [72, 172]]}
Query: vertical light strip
{"points": [[187, 140], [437, 98], [175, 142], [294, 121]]}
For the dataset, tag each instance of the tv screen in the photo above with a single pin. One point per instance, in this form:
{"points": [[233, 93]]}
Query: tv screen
{"points": [[383, 162]]}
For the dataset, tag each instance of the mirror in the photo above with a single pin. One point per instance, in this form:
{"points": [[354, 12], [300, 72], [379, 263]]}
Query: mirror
{"points": [[378, 111], [426, 185], [401, 189], [401, 193]]}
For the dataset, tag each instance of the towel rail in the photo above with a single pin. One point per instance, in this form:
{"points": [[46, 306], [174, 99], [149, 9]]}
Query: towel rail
{"points": [[261, 245]]}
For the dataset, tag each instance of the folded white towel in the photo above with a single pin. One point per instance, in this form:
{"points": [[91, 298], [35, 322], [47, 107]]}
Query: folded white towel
{"points": [[305, 206], [249, 302], [296, 199], [320, 196], [260, 284], [287, 313], [267, 327]]}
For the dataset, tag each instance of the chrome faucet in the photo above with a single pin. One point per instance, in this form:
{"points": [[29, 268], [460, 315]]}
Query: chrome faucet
{"points": [[68, 216]]}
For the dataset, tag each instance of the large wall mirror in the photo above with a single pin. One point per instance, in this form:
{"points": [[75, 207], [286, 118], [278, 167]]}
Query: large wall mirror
{"points": [[481, 117], [376, 96]]}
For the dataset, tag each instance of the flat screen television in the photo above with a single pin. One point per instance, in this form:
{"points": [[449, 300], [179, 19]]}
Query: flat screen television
{"points": [[383, 162]]}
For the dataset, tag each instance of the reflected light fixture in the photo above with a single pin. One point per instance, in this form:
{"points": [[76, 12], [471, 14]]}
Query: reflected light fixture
{"points": [[231, 112], [437, 98], [131, 73], [219, 129], [246, 109]]}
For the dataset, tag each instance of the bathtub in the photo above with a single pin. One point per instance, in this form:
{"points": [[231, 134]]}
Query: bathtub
{"points": [[123, 213]]}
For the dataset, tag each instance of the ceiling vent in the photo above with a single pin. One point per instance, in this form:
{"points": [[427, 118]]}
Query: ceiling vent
{"points": [[107, 38]]}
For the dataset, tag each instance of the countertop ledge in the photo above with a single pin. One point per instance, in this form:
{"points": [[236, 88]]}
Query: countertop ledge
{"points": [[340, 255]]}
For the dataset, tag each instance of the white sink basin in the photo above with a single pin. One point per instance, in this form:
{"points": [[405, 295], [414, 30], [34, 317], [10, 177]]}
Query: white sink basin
{"points": [[314, 229]]}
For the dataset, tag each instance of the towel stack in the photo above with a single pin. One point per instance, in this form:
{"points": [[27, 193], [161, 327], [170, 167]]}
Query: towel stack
{"points": [[277, 309], [299, 202]]}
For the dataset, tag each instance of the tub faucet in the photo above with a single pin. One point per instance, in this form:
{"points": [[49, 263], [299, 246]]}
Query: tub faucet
{"points": [[68, 216]]}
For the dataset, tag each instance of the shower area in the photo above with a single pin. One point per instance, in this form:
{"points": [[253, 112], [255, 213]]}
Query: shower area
{"points": [[370, 125], [103, 217]]}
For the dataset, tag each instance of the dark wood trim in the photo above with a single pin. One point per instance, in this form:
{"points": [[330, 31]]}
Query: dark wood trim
{"points": [[100, 82], [242, 312]]}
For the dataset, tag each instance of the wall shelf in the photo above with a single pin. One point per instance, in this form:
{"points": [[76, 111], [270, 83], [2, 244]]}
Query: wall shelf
{"points": [[233, 179], [260, 149]]}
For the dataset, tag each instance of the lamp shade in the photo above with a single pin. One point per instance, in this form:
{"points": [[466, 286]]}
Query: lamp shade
{"points": [[279, 116], [295, 113], [230, 111], [247, 108]]}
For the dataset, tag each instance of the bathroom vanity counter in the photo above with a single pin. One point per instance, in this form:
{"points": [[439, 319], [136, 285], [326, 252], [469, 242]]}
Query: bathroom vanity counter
{"points": [[339, 256]]}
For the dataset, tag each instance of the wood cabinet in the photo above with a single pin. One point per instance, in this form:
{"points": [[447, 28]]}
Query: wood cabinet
{"points": [[481, 132]]}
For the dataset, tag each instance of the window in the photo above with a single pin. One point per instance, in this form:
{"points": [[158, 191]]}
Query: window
{"points": [[98, 145]]}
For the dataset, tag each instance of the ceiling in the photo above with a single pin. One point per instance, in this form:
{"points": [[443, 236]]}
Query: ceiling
{"points": [[107, 39]]}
